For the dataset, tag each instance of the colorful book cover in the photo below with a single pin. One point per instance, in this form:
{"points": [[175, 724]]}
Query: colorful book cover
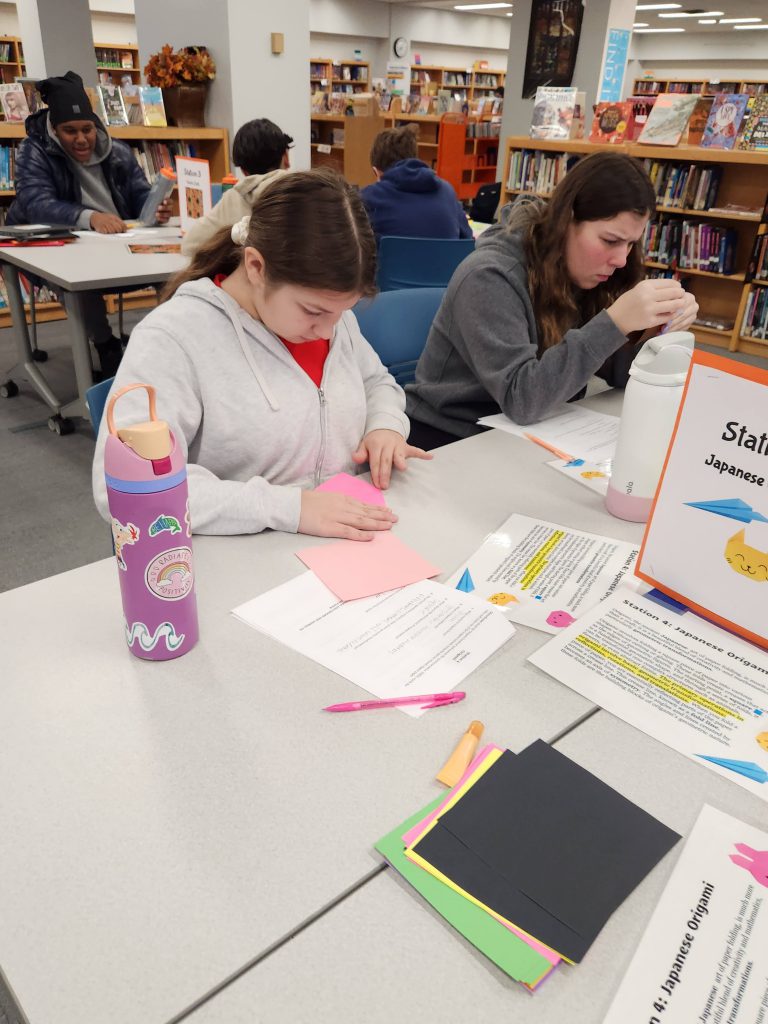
{"points": [[724, 119], [15, 107], [611, 122], [755, 133], [152, 108], [698, 121], [668, 119], [193, 177], [114, 108], [97, 104], [553, 113]]}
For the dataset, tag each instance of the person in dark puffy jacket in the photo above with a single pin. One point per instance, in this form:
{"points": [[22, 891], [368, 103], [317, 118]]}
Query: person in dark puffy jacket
{"points": [[70, 172], [408, 198]]}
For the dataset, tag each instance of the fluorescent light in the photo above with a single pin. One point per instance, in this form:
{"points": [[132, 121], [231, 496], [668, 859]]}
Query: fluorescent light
{"points": [[640, 24], [738, 21], [707, 21], [657, 7], [646, 31], [478, 7], [698, 14], [747, 28]]}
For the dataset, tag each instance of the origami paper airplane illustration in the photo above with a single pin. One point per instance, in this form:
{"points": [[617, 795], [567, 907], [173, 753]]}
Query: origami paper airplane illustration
{"points": [[731, 508]]}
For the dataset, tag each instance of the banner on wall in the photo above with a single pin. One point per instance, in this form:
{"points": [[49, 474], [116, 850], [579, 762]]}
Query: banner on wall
{"points": [[614, 65]]}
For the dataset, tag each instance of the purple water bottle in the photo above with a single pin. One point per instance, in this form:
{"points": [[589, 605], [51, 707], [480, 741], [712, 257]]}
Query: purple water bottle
{"points": [[148, 501]]}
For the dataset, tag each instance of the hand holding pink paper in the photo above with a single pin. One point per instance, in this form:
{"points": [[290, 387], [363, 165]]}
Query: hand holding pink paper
{"points": [[353, 487]]}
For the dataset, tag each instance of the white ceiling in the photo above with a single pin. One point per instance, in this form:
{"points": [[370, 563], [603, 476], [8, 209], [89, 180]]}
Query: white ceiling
{"points": [[730, 9]]}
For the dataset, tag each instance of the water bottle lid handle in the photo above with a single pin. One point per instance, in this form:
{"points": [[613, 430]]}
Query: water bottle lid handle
{"points": [[150, 440]]}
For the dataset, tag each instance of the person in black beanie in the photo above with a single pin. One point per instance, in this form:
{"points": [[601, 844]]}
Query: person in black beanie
{"points": [[70, 171]]}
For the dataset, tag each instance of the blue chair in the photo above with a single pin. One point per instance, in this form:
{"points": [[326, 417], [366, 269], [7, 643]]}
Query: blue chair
{"points": [[96, 399], [396, 325], [419, 262]]}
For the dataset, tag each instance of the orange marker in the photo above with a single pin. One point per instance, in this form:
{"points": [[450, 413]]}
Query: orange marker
{"points": [[462, 756]]}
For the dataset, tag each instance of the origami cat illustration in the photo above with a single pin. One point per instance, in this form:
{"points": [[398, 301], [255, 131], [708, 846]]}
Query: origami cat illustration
{"points": [[745, 560]]}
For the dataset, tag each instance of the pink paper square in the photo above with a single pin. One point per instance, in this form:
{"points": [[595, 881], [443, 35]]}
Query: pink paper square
{"points": [[353, 569], [353, 487]]}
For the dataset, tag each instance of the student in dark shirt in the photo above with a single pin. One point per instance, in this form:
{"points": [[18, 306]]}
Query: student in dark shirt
{"points": [[407, 197], [70, 171]]}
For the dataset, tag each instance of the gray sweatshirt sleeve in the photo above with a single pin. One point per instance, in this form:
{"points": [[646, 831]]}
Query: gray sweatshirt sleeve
{"points": [[490, 331], [216, 506]]}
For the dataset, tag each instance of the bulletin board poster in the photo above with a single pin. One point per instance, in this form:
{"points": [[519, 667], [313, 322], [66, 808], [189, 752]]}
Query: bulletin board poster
{"points": [[706, 543], [193, 177], [614, 65], [553, 42]]}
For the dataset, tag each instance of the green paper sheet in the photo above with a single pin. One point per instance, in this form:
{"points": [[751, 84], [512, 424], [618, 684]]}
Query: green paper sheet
{"points": [[499, 944]]}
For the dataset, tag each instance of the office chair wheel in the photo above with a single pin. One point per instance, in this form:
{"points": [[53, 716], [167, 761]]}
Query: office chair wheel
{"points": [[40, 355], [9, 389], [61, 425]]}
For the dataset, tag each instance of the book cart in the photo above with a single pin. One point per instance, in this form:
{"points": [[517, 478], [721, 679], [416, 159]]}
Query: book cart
{"points": [[154, 146], [743, 182]]}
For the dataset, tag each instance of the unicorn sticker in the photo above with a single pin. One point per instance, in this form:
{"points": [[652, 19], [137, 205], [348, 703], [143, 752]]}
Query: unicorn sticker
{"points": [[123, 535]]}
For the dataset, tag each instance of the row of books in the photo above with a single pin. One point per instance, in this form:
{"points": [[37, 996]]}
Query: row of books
{"points": [[114, 58], [684, 186], [152, 156], [484, 129], [724, 121], [42, 292], [486, 81], [758, 261], [131, 104], [755, 322], [5, 53], [7, 166], [535, 171], [451, 78], [690, 245]]}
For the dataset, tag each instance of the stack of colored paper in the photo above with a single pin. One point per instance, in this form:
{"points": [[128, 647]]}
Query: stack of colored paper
{"points": [[527, 857]]}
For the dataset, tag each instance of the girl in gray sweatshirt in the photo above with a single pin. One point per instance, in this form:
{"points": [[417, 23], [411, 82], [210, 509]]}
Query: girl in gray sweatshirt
{"points": [[263, 375]]}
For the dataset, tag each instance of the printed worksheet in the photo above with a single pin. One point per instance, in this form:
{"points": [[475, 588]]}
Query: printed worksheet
{"points": [[682, 680], [704, 956], [572, 429], [423, 638], [544, 575]]}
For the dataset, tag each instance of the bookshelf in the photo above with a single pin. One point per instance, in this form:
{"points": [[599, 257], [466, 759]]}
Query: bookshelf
{"points": [[344, 143], [346, 76], [11, 59], [707, 87], [743, 181], [210, 144], [467, 83], [114, 61]]}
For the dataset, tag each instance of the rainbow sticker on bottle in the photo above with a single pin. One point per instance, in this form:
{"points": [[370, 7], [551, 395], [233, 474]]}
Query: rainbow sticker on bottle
{"points": [[169, 575]]}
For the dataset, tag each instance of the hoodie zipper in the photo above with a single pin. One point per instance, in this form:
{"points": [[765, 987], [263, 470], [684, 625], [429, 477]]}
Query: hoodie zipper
{"points": [[321, 453]]}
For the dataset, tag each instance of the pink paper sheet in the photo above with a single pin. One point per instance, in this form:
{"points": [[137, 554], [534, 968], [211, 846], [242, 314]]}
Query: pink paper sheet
{"points": [[418, 829], [353, 487], [353, 569]]}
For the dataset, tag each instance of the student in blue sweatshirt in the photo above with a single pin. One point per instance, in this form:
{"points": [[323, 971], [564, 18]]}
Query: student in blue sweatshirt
{"points": [[408, 198]]}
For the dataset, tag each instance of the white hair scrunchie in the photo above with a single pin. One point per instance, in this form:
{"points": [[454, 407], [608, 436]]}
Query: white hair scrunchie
{"points": [[239, 231]]}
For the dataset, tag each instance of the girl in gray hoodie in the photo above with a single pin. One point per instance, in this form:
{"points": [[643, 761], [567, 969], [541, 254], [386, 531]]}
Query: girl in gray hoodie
{"points": [[262, 373]]}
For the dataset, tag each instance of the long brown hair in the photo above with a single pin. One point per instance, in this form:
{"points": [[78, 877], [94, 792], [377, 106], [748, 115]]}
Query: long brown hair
{"points": [[312, 230], [599, 187]]}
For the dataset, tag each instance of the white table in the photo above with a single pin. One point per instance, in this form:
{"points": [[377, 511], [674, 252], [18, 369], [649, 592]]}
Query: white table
{"points": [[384, 955], [93, 263], [166, 824]]}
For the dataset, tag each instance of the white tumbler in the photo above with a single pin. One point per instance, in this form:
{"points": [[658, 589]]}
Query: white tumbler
{"points": [[651, 402]]}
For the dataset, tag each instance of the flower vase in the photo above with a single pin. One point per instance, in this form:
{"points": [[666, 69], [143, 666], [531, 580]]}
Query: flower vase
{"points": [[185, 104]]}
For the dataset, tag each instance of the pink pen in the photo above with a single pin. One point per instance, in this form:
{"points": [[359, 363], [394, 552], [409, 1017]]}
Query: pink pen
{"points": [[427, 700]]}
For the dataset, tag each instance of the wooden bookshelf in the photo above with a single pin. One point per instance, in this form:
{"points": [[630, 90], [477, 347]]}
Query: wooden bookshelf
{"points": [[12, 62], [347, 76], [707, 87], [114, 60], [469, 84], [211, 144], [743, 182]]}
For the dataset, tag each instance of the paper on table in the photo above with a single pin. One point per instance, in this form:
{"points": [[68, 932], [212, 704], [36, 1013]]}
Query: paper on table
{"points": [[684, 681], [580, 432], [485, 759], [353, 487], [352, 569], [515, 957], [545, 576], [590, 474], [712, 918], [420, 639]]}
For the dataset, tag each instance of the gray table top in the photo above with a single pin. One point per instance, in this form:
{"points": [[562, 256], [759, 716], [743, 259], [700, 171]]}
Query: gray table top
{"points": [[166, 823], [97, 262], [383, 954]]}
